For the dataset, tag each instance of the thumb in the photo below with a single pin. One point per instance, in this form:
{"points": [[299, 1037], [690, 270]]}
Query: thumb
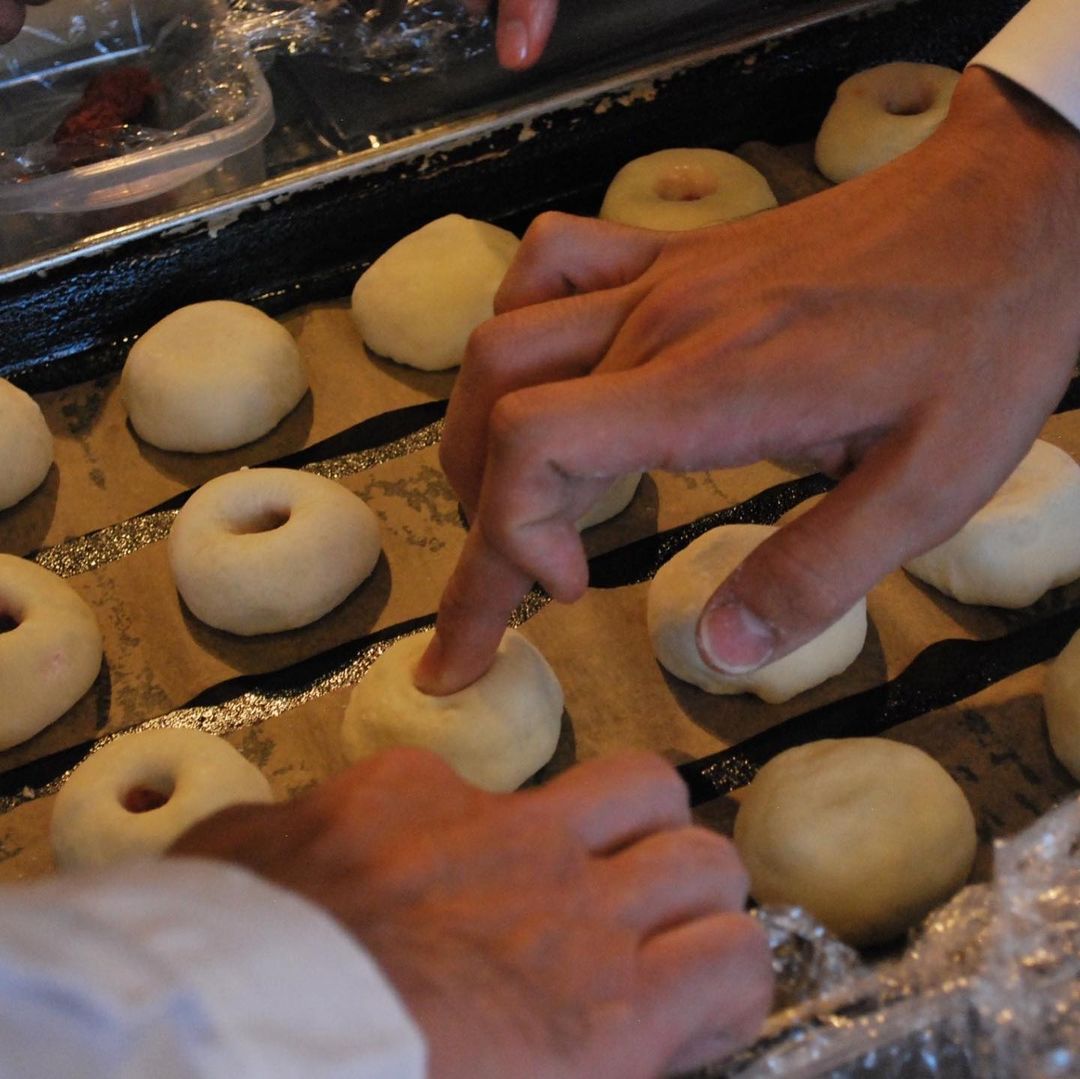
{"points": [[814, 569]]}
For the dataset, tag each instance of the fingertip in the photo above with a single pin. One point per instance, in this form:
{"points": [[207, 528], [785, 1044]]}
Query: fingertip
{"points": [[731, 638], [522, 33]]}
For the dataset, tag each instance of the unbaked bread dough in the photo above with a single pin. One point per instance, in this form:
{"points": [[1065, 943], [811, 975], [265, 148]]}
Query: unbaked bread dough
{"points": [[264, 550], [1024, 541], [685, 188], [678, 594], [212, 376], [26, 445], [867, 834], [612, 502], [50, 648], [880, 114], [136, 795], [1061, 699], [495, 733], [420, 300]]}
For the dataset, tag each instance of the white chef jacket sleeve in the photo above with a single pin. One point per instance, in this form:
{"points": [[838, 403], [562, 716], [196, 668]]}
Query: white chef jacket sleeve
{"points": [[1040, 50], [188, 968]]}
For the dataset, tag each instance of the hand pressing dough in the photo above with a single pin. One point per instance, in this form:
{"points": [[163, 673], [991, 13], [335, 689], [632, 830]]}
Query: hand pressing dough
{"points": [[420, 300], [881, 113], [494, 734], [136, 795], [1061, 700], [26, 445], [1023, 542], [867, 834], [685, 188], [211, 377], [678, 594]]}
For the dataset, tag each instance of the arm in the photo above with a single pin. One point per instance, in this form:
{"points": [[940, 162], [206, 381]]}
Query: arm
{"points": [[920, 317], [478, 910]]}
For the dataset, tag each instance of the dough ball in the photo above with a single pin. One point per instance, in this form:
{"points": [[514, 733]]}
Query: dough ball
{"points": [[612, 502], [136, 795], [682, 189], [880, 114], [679, 592], [1061, 699], [867, 834], [264, 550], [26, 445], [211, 377], [50, 648], [419, 302], [1023, 542], [495, 733]]}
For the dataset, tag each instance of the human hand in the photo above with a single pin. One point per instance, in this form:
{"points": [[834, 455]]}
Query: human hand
{"points": [[12, 15], [584, 927], [522, 31], [908, 331]]}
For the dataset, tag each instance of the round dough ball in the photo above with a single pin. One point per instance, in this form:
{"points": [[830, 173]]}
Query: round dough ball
{"points": [[210, 377], [867, 834], [136, 795], [681, 189], [495, 733], [50, 648], [1020, 544], [880, 114], [679, 592], [612, 502], [269, 549], [26, 445], [1061, 699], [420, 300]]}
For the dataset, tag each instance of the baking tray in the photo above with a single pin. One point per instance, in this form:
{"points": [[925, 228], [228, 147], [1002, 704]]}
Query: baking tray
{"points": [[75, 322]]}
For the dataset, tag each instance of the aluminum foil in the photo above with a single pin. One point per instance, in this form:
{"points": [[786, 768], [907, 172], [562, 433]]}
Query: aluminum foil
{"points": [[989, 987]]}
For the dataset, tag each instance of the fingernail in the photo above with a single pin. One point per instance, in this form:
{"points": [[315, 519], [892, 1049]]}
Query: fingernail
{"points": [[513, 42], [733, 640]]}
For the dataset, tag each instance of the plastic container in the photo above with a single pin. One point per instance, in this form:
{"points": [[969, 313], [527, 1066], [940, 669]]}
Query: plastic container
{"points": [[215, 104]]}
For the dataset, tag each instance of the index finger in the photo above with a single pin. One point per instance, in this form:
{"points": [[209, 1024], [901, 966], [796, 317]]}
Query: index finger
{"points": [[476, 606]]}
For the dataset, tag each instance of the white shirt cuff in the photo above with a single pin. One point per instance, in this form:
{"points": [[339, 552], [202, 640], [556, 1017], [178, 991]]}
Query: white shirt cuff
{"points": [[193, 961], [1040, 50]]}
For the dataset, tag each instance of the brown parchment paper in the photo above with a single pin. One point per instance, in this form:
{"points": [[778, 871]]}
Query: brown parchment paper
{"points": [[104, 473], [617, 696]]}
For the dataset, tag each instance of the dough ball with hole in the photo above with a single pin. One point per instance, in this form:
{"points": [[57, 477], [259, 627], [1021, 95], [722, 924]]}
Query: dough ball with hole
{"points": [[420, 300], [263, 550], [137, 794], [495, 733], [1023, 542], [26, 445], [881, 113], [679, 592], [1061, 699], [867, 834], [683, 188], [211, 377]]}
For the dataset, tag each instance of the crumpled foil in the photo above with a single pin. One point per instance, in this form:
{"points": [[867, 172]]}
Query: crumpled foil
{"points": [[389, 39], [989, 987]]}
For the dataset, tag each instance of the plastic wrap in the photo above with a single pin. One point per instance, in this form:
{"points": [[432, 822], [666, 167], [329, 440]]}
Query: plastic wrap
{"points": [[989, 987], [389, 39], [207, 100]]}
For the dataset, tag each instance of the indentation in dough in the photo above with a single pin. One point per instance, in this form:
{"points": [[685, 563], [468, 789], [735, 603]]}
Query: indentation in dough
{"points": [[149, 795], [262, 520], [686, 183]]}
